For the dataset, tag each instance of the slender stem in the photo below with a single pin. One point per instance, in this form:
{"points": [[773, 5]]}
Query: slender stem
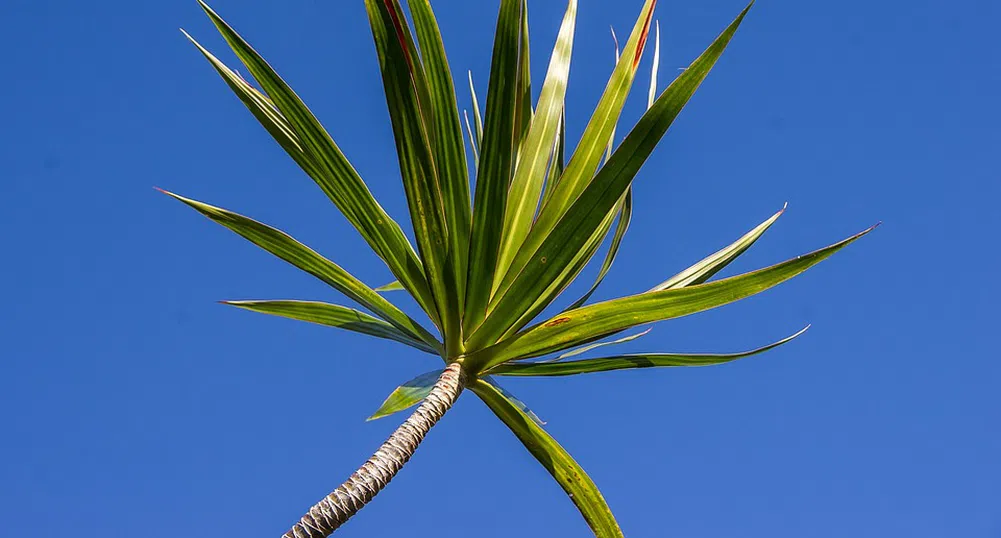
{"points": [[330, 513]]}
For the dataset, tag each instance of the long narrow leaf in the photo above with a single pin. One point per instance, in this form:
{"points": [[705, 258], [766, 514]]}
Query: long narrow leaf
{"points": [[593, 322], [560, 244], [536, 151], [592, 347], [392, 286], [588, 155], [285, 247], [263, 109], [566, 274], [477, 115], [333, 173], [557, 159], [408, 394], [522, 406], [474, 141], [705, 269], [625, 217], [333, 315], [523, 107], [628, 362], [449, 151], [554, 458], [497, 152], [411, 112]]}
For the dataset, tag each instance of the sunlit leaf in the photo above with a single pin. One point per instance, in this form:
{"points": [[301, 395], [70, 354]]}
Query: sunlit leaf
{"points": [[497, 159], [407, 395], [333, 173], [536, 151], [563, 242], [411, 110], [592, 347], [392, 286], [554, 458], [705, 269], [590, 323], [628, 362]]}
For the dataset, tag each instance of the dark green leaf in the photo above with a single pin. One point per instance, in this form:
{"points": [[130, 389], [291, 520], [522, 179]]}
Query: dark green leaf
{"points": [[333, 173], [497, 152], [333, 315], [285, 247], [449, 151], [411, 111]]}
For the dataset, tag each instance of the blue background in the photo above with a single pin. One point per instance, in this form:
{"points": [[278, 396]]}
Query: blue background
{"points": [[132, 404]]}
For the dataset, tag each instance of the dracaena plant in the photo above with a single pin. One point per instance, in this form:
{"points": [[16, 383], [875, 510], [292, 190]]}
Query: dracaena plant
{"points": [[487, 265]]}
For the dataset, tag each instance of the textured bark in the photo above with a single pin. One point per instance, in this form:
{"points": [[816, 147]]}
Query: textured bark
{"points": [[330, 513]]}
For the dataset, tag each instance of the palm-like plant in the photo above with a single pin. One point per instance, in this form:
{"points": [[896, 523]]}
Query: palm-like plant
{"points": [[486, 267]]}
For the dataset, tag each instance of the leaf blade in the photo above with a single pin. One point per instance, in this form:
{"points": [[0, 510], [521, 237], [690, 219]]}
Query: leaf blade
{"points": [[535, 153], [450, 155], [302, 257], [586, 158], [496, 163], [332, 315], [554, 247], [407, 395], [334, 174], [709, 266], [554, 458], [408, 98], [589, 323], [630, 361]]}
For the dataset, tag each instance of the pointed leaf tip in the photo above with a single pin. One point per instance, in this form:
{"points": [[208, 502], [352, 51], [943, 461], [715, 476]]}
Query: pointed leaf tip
{"points": [[644, 36]]}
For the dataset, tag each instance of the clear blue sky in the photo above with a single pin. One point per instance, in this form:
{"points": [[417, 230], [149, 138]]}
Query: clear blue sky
{"points": [[131, 403]]}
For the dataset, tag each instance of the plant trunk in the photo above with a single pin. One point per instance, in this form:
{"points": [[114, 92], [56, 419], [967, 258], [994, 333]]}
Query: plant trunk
{"points": [[330, 513]]}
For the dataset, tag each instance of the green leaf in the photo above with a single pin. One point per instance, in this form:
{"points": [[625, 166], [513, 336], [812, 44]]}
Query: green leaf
{"points": [[592, 347], [522, 406], [477, 116], [566, 275], [449, 151], [591, 323], [408, 394], [392, 286], [705, 269], [474, 141], [554, 458], [625, 217], [560, 244], [628, 362], [285, 247], [411, 112], [557, 159], [264, 110], [583, 163], [333, 315], [333, 173], [523, 108], [497, 152], [537, 149]]}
